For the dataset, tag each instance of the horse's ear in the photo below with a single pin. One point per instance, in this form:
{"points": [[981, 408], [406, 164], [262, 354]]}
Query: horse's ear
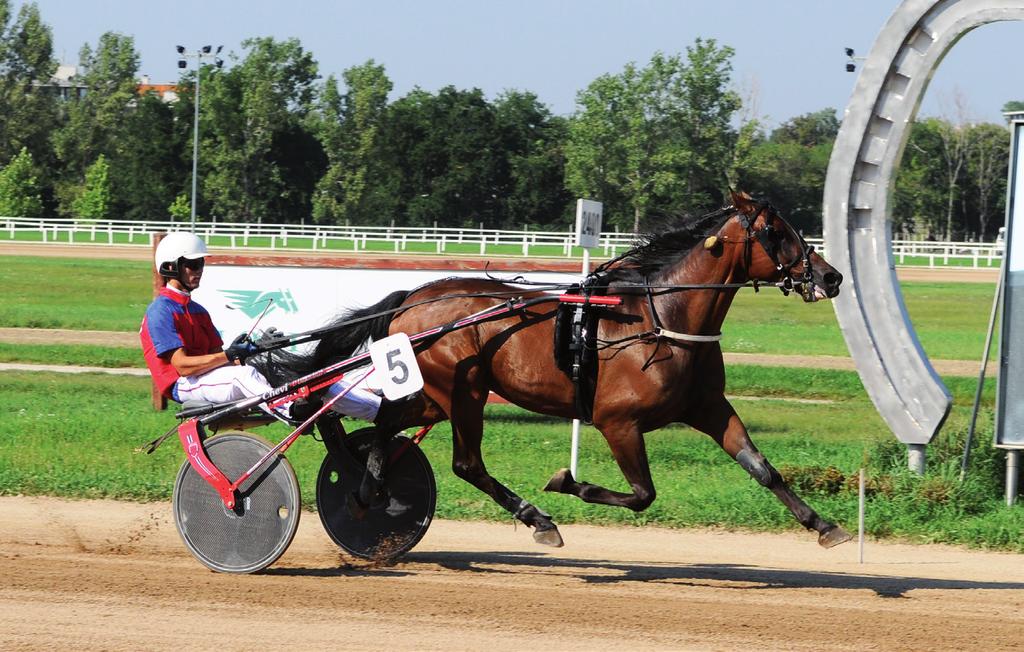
{"points": [[742, 201]]}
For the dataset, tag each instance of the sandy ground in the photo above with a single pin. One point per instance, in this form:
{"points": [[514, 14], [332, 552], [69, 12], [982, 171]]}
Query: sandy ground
{"points": [[104, 575]]}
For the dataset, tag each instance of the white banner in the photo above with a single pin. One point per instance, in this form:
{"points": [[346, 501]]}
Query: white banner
{"points": [[304, 298]]}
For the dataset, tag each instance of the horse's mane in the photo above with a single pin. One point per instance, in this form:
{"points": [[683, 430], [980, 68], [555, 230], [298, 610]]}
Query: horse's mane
{"points": [[655, 252]]}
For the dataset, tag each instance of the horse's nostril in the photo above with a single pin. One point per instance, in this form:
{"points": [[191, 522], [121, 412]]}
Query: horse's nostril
{"points": [[832, 279]]}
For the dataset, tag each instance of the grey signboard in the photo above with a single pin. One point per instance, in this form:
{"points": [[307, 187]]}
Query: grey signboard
{"points": [[1010, 394]]}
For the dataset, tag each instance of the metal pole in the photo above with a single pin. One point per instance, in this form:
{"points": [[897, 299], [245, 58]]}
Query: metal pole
{"points": [[195, 143], [981, 374], [916, 458], [1012, 476]]}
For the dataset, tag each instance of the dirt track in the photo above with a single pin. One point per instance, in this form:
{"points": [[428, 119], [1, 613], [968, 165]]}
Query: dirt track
{"points": [[102, 575]]}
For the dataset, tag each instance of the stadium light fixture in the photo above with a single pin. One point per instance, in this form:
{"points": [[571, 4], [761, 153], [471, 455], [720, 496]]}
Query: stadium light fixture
{"points": [[198, 55]]}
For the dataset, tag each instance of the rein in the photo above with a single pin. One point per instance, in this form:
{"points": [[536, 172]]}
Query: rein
{"points": [[763, 237]]}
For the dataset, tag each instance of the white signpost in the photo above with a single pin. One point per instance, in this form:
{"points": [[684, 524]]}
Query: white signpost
{"points": [[588, 236]]}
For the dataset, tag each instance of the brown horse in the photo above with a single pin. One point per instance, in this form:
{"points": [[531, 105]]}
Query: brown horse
{"points": [[651, 371]]}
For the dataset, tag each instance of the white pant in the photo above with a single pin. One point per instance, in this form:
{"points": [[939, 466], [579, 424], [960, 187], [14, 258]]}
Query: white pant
{"points": [[232, 382]]}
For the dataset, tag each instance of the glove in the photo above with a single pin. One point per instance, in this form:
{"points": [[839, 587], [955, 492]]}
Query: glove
{"points": [[272, 339], [240, 349]]}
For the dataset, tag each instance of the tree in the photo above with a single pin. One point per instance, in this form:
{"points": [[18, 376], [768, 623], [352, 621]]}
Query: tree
{"points": [[534, 145], [919, 197], [349, 130], [986, 172], [956, 145], [180, 209], [148, 163], [19, 190], [28, 110], [1013, 105], [810, 129], [657, 137], [259, 161], [93, 202], [789, 167], [446, 153], [96, 122]]}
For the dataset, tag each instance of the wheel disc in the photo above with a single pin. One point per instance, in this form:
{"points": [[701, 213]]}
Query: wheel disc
{"points": [[258, 531], [384, 532]]}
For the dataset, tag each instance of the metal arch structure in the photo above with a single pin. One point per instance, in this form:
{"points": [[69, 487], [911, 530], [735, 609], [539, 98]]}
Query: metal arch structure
{"points": [[893, 366]]}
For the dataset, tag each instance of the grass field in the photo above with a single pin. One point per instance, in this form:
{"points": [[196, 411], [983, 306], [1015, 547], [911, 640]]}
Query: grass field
{"points": [[74, 435], [112, 295]]}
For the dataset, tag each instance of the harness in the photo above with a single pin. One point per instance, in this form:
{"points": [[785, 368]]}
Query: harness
{"points": [[575, 338], [770, 246]]}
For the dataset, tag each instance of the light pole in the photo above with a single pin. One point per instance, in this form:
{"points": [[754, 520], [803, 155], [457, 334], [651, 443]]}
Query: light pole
{"points": [[198, 55]]}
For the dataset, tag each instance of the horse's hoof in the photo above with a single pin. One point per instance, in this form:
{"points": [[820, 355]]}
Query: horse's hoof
{"points": [[833, 536], [559, 481], [548, 537]]}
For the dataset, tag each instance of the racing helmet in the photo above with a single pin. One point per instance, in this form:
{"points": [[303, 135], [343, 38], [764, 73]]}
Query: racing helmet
{"points": [[173, 248]]}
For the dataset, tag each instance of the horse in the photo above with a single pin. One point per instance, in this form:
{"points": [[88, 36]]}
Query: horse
{"points": [[658, 359]]}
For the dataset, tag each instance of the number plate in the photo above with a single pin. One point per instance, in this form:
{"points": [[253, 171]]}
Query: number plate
{"points": [[396, 366]]}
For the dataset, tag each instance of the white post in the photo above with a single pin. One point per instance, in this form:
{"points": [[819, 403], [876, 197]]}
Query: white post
{"points": [[574, 455], [588, 233], [860, 516]]}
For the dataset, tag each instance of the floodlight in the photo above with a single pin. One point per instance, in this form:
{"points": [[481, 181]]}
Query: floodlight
{"points": [[219, 48], [206, 49], [849, 52], [181, 63], [181, 49], [850, 67], [218, 62]]}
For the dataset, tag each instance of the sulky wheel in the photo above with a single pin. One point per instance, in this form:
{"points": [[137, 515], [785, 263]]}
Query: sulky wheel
{"points": [[254, 534], [387, 531]]}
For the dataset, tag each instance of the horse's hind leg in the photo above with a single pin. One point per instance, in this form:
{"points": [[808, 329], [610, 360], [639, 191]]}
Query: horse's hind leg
{"points": [[717, 418], [467, 463]]}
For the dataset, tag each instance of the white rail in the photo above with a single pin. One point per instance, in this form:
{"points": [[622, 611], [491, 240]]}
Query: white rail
{"points": [[439, 240]]}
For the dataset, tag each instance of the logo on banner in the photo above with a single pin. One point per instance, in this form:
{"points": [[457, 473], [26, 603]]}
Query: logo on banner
{"points": [[253, 302]]}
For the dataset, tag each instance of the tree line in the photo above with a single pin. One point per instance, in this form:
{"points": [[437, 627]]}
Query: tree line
{"points": [[281, 144]]}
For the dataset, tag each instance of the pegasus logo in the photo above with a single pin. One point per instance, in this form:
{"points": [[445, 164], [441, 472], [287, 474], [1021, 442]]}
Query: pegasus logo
{"points": [[253, 302]]}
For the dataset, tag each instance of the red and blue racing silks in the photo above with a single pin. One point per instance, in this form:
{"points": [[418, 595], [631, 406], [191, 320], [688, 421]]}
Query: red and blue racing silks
{"points": [[173, 321]]}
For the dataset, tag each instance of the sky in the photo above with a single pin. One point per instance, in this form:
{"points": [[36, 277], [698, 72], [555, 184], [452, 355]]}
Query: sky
{"points": [[788, 53]]}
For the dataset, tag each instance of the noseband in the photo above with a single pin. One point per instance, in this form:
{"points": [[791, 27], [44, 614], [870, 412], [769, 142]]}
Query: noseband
{"points": [[769, 243]]}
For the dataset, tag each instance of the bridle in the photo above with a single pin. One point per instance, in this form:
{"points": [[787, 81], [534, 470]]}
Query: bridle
{"points": [[769, 241]]}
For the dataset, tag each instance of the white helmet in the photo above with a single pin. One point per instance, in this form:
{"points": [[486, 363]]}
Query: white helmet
{"points": [[173, 248]]}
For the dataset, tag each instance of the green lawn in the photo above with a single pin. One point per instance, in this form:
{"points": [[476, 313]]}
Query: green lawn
{"points": [[950, 318], [76, 435]]}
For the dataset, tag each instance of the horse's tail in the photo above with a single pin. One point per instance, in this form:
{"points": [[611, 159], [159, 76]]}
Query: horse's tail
{"points": [[344, 337], [370, 324]]}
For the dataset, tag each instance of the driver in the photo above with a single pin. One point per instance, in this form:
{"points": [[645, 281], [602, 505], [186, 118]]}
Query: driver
{"points": [[186, 355]]}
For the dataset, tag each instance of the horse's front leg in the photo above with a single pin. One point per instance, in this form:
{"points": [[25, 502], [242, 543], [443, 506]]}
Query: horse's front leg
{"points": [[627, 446], [716, 417]]}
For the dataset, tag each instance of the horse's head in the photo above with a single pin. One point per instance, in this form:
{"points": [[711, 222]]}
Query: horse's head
{"points": [[774, 252]]}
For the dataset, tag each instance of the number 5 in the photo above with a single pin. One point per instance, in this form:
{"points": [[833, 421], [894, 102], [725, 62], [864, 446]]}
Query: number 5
{"points": [[397, 364], [395, 361]]}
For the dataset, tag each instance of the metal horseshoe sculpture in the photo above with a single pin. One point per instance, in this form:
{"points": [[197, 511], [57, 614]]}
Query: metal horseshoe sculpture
{"points": [[900, 380]]}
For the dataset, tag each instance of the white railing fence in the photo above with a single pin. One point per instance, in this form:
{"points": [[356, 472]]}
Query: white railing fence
{"points": [[439, 240]]}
